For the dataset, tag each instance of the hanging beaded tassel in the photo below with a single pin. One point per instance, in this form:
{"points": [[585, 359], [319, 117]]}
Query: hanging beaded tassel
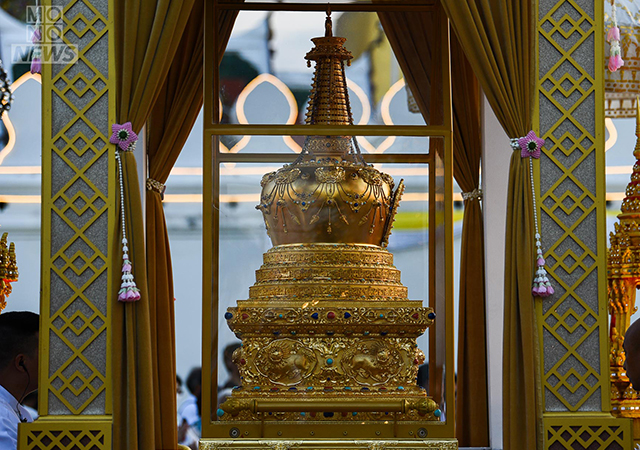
{"points": [[36, 39], [530, 147], [124, 137], [613, 37]]}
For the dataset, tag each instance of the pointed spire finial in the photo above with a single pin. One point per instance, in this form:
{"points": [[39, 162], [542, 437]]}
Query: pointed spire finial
{"points": [[328, 25]]}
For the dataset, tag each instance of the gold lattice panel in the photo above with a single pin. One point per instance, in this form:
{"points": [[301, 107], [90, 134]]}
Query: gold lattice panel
{"points": [[78, 213], [572, 323], [77, 435], [572, 432]]}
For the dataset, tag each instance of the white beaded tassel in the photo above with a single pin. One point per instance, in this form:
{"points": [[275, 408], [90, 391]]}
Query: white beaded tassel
{"points": [[541, 285], [129, 292]]}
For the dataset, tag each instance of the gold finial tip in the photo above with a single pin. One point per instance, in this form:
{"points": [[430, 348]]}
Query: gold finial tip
{"points": [[328, 25]]}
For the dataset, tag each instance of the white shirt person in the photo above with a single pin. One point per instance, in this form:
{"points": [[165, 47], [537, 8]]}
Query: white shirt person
{"points": [[11, 414]]}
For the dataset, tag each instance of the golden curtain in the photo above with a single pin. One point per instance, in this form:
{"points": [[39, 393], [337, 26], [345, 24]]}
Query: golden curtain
{"points": [[168, 128], [472, 407], [147, 34], [412, 36], [497, 38]]}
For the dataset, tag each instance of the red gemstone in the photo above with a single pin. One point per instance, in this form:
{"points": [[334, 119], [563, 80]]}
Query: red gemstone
{"points": [[415, 315], [243, 361], [344, 414], [331, 315], [312, 414], [245, 316], [415, 361]]}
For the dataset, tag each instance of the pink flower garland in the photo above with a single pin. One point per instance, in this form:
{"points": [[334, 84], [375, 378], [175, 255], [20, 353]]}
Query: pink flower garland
{"points": [[613, 37], [124, 137], [530, 146]]}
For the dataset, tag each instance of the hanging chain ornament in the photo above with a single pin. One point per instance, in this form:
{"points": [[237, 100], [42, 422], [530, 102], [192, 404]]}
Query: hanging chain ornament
{"points": [[530, 146], [124, 137], [613, 37]]}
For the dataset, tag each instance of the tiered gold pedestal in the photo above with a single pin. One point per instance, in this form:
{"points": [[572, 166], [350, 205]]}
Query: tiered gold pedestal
{"points": [[328, 331], [329, 351]]}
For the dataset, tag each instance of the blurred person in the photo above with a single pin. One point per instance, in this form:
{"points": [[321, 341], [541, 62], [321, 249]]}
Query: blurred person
{"points": [[234, 380], [18, 371], [189, 411], [182, 396], [423, 376]]}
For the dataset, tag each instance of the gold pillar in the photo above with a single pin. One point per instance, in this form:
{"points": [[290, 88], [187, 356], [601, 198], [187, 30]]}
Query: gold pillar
{"points": [[572, 324], [78, 213]]}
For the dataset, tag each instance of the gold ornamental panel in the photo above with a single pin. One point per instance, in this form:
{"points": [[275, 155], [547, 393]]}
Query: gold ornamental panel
{"points": [[63, 433], [327, 444], [572, 327], [78, 212], [343, 364]]}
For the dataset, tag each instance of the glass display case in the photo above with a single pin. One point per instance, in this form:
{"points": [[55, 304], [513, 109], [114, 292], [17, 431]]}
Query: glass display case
{"points": [[344, 303]]}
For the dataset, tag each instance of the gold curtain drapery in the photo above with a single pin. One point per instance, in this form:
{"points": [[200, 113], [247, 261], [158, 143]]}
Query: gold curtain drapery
{"points": [[412, 39], [168, 128], [497, 38], [145, 44], [472, 397]]}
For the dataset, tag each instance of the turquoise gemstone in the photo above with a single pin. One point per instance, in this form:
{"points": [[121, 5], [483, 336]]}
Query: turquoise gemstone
{"points": [[220, 412], [437, 413]]}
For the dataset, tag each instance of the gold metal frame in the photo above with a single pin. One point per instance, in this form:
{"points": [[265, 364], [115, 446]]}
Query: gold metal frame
{"points": [[440, 211]]}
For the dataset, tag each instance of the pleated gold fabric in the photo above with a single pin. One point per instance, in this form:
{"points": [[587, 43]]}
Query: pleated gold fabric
{"points": [[168, 128], [413, 38], [497, 39], [472, 407], [147, 35]]}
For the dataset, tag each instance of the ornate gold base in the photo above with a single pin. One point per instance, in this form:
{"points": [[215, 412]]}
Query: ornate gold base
{"points": [[329, 444]]}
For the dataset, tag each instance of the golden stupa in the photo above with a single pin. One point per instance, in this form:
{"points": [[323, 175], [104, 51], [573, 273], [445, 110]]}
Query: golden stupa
{"points": [[623, 273], [328, 333]]}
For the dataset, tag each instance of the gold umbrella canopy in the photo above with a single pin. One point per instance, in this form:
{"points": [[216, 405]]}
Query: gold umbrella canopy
{"points": [[623, 85]]}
